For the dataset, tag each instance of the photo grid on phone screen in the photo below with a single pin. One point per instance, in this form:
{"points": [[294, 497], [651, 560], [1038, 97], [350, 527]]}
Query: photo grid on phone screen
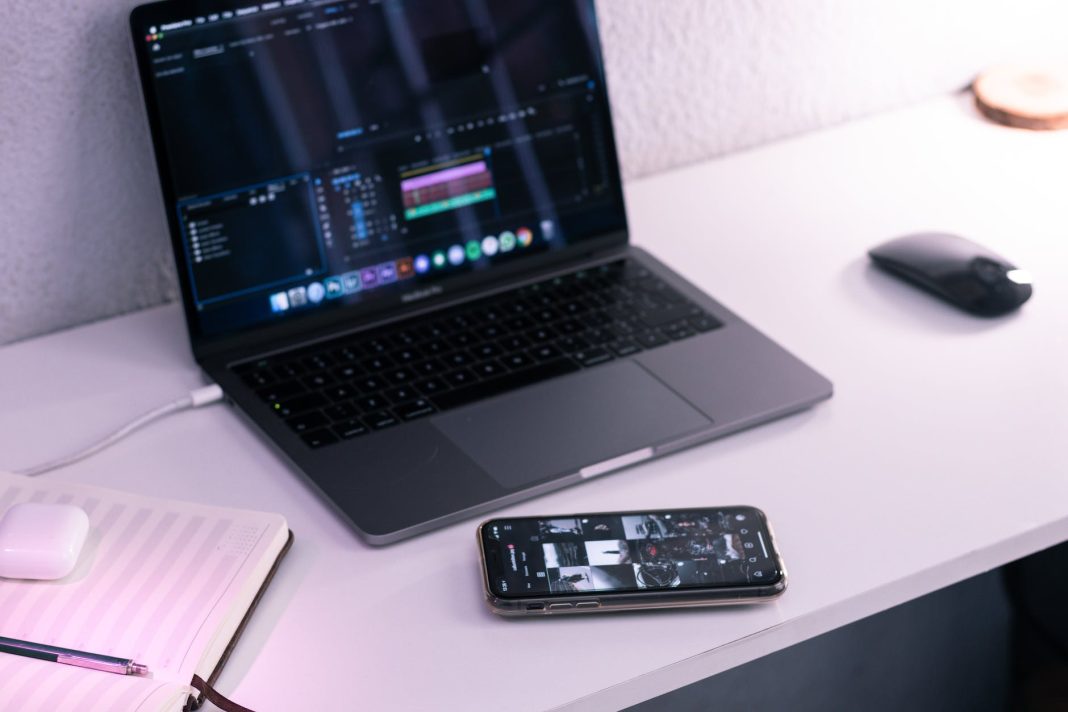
{"points": [[651, 551]]}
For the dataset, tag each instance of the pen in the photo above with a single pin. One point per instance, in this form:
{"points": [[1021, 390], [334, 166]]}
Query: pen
{"points": [[92, 661]]}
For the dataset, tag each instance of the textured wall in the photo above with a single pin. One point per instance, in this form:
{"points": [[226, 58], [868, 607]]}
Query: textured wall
{"points": [[82, 234], [697, 78]]}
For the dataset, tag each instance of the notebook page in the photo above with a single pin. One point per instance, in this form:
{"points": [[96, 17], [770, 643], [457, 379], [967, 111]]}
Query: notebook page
{"points": [[39, 686], [155, 581]]}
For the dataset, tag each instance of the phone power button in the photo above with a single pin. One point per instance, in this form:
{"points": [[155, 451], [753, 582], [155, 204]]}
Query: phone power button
{"points": [[588, 604]]}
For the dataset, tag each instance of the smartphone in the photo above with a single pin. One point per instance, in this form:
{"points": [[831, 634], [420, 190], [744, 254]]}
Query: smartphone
{"points": [[613, 561]]}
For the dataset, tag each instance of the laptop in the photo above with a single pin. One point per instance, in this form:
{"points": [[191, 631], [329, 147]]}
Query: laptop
{"points": [[403, 252]]}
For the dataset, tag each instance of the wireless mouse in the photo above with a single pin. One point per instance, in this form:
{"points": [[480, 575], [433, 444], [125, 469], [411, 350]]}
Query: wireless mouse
{"points": [[963, 273]]}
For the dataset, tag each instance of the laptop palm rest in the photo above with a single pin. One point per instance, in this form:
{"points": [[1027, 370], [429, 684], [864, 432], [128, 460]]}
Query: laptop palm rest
{"points": [[570, 423]]}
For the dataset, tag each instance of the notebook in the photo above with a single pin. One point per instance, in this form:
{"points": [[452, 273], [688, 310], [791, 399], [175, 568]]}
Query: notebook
{"points": [[170, 584]]}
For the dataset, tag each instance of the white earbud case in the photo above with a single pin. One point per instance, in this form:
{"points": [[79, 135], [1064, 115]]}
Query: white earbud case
{"points": [[41, 541]]}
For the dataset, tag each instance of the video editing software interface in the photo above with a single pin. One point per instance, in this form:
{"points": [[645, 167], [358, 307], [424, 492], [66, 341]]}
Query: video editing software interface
{"points": [[335, 153], [631, 552]]}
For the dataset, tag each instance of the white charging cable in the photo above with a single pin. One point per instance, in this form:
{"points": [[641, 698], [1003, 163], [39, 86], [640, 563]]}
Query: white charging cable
{"points": [[196, 399]]}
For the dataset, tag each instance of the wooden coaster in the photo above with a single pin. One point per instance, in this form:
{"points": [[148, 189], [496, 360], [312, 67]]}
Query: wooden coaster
{"points": [[1025, 97]]}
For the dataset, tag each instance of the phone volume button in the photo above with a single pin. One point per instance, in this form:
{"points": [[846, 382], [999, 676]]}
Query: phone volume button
{"points": [[588, 604], [559, 606]]}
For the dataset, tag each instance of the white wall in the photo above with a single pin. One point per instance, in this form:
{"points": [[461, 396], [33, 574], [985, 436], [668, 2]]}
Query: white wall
{"points": [[82, 234], [697, 78]]}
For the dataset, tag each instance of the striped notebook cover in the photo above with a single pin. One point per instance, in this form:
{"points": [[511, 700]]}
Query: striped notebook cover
{"points": [[164, 582]]}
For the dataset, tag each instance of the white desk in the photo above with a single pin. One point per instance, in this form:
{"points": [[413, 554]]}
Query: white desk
{"points": [[941, 455]]}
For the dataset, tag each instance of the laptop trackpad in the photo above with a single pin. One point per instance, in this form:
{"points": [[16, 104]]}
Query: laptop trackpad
{"points": [[557, 427]]}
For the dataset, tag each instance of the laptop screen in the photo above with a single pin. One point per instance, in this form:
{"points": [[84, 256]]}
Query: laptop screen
{"points": [[341, 155]]}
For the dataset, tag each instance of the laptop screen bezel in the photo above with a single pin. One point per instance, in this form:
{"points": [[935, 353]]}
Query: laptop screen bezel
{"points": [[354, 316]]}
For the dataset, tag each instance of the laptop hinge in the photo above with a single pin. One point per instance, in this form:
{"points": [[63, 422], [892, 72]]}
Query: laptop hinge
{"points": [[230, 351]]}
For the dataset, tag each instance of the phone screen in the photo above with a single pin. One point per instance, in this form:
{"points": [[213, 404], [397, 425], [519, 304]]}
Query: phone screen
{"points": [[629, 552]]}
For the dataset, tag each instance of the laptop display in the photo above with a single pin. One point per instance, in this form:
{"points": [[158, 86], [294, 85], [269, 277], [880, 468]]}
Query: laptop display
{"points": [[326, 156]]}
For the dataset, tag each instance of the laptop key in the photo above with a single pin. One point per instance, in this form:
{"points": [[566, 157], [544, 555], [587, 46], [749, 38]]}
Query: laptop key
{"points": [[487, 350], [340, 393], [370, 384], [542, 335], [348, 429], [318, 362], [489, 369], [299, 404], [514, 343], [461, 322], [288, 370], [433, 331], [378, 363], [545, 352], [660, 317], [401, 375], [624, 347], [407, 355], [401, 394], [416, 409], [376, 346], [570, 344], [318, 438], [458, 358], [317, 380], [462, 340], [594, 302], [573, 308], [596, 318], [592, 357], [347, 354], [546, 315], [516, 361], [516, 307], [431, 386], [704, 323], [519, 323], [307, 422], [678, 331], [406, 338], [340, 411], [380, 419], [650, 339], [492, 315], [570, 327], [435, 348], [461, 377], [278, 391], [620, 329], [429, 367], [347, 372], [598, 337], [370, 403], [503, 384]]}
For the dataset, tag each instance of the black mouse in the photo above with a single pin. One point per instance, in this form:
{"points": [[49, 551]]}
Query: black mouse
{"points": [[961, 272]]}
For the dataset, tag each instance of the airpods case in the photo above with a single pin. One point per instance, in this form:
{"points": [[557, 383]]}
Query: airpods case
{"points": [[41, 541]]}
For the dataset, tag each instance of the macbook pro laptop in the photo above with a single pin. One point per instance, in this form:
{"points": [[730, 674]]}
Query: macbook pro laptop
{"points": [[403, 253]]}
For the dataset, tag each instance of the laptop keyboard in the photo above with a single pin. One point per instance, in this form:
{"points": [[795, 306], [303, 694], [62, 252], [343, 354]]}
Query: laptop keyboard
{"points": [[342, 389]]}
